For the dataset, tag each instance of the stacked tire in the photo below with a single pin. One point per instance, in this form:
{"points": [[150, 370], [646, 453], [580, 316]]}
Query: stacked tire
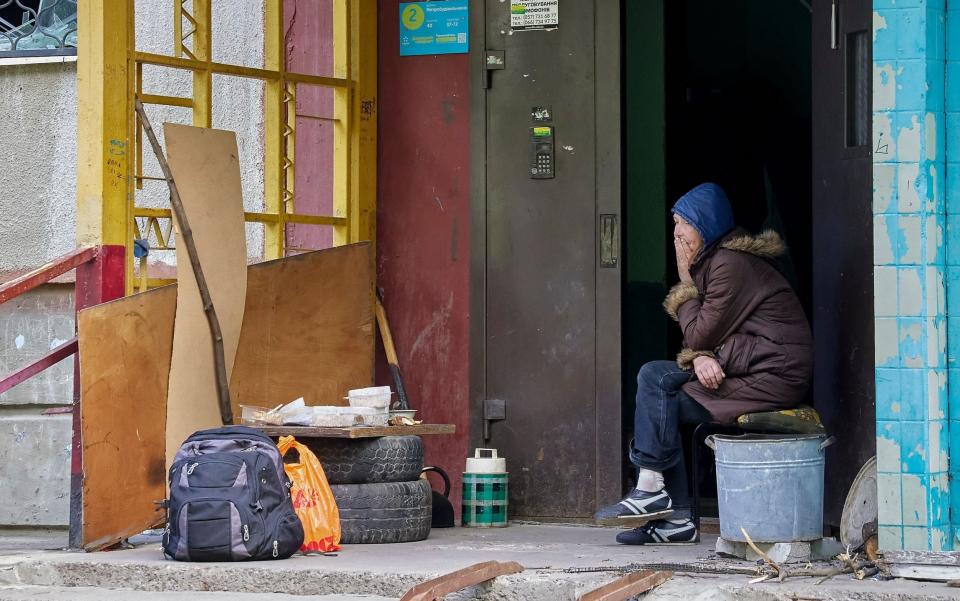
{"points": [[377, 485]]}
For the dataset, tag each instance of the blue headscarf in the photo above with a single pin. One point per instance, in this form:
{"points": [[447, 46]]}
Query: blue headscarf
{"points": [[707, 209]]}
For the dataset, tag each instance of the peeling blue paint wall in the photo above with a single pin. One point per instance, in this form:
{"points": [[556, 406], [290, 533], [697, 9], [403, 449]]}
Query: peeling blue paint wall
{"points": [[951, 151], [911, 202]]}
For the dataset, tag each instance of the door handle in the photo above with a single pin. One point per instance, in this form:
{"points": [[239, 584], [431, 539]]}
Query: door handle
{"points": [[609, 241], [833, 25], [493, 60]]}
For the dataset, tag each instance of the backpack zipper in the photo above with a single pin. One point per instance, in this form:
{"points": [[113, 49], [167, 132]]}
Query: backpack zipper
{"points": [[191, 467], [276, 548], [257, 481], [246, 533]]}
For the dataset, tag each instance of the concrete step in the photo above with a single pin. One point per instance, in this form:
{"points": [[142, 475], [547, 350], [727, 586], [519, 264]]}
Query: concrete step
{"points": [[74, 577], [387, 571], [299, 577], [52, 593]]}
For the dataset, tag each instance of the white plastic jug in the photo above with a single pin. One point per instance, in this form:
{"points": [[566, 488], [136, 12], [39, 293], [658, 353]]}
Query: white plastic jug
{"points": [[491, 464]]}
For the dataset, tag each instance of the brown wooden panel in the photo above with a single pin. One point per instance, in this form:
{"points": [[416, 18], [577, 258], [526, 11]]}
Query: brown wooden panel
{"points": [[125, 348], [206, 167], [308, 329]]}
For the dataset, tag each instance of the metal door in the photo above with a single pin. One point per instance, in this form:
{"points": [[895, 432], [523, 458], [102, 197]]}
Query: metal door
{"points": [[545, 274], [843, 237]]}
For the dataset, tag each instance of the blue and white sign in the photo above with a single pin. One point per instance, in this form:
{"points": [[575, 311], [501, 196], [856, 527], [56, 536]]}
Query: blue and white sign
{"points": [[438, 27]]}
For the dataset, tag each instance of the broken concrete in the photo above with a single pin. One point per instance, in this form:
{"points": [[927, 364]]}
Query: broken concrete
{"points": [[37, 593], [824, 549], [552, 554]]}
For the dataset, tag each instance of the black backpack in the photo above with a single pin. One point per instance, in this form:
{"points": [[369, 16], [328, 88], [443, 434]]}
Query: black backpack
{"points": [[230, 499]]}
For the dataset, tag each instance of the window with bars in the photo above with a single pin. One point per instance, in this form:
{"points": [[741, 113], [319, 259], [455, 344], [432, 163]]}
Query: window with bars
{"points": [[38, 28]]}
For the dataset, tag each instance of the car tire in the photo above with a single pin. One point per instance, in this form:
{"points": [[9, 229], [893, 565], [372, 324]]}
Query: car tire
{"points": [[369, 460], [385, 512]]}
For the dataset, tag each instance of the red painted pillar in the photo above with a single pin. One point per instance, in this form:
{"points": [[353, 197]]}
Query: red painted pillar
{"points": [[423, 226], [98, 281]]}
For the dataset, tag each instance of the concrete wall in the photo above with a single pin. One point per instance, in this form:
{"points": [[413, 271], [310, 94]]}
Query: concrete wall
{"points": [[35, 448], [37, 224], [38, 164]]}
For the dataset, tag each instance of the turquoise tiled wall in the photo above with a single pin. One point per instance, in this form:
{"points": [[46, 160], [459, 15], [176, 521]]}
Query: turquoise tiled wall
{"points": [[951, 156], [913, 269]]}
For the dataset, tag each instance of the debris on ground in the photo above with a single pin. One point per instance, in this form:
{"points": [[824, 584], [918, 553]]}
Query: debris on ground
{"points": [[849, 563], [437, 588], [628, 587]]}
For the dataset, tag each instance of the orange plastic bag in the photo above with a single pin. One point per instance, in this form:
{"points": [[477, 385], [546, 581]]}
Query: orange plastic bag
{"points": [[312, 499]]}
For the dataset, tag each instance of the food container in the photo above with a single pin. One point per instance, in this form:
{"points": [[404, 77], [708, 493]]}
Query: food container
{"points": [[295, 412], [253, 415], [345, 417], [407, 413], [377, 397]]}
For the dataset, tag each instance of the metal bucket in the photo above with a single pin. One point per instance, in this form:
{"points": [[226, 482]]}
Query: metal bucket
{"points": [[771, 486]]}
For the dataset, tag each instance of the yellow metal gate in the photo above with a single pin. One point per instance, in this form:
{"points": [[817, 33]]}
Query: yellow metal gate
{"points": [[110, 78]]}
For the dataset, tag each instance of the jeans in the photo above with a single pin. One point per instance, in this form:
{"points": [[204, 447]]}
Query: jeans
{"points": [[662, 406]]}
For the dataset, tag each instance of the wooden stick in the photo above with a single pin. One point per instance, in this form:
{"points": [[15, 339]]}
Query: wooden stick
{"points": [[390, 350], [830, 574], [780, 572], [223, 388], [628, 587], [438, 588], [757, 550]]}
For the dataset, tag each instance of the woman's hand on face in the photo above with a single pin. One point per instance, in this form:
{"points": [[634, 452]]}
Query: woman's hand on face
{"points": [[709, 372], [684, 258]]}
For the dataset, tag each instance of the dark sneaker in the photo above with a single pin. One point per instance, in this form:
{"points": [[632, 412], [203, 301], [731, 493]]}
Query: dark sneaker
{"points": [[661, 532], [636, 509]]}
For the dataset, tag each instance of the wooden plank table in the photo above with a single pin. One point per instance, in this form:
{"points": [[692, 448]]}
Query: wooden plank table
{"points": [[358, 431]]}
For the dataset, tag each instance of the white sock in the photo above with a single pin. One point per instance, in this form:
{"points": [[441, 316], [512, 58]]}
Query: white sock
{"points": [[649, 480]]}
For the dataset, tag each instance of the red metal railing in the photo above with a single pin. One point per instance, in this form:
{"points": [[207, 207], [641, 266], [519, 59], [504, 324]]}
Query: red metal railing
{"points": [[42, 275], [99, 279], [28, 282]]}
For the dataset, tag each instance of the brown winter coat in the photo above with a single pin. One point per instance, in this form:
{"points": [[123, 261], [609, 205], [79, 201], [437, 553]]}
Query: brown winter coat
{"points": [[742, 311]]}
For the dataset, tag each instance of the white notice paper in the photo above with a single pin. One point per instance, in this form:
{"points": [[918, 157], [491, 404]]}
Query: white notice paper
{"points": [[534, 14]]}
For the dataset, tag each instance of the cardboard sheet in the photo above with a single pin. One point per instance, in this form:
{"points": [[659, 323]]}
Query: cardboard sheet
{"points": [[124, 364], [206, 168], [308, 329]]}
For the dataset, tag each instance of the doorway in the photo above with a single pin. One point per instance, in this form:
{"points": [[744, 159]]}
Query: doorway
{"points": [[715, 92], [739, 93]]}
